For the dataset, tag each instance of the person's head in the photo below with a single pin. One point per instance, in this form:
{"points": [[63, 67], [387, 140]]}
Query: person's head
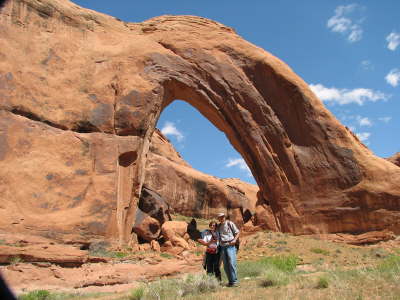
{"points": [[212, 225], [221, 217]]}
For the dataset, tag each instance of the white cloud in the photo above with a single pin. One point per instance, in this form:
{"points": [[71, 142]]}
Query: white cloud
{"points": [[385, 119], [393, 40], [346, 96], [363, 136], [367, 65], [364, 121], [393, 77], [240, 163], [342, 23], [169, 129]]}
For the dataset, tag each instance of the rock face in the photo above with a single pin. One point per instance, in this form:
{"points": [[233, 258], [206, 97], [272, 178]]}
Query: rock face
{"points": [[81, 93], [395, 159], [193, 193]]}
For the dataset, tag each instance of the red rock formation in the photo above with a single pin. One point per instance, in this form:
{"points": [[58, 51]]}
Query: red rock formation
{"points": [[193, 193], [81, 93], [395, 159]]}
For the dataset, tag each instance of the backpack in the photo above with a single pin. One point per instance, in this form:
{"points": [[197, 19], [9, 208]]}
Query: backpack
{"points": [[237, 244]]}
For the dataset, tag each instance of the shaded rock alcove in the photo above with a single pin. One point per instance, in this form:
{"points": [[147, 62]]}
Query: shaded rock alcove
{"points": [[93, 87]]}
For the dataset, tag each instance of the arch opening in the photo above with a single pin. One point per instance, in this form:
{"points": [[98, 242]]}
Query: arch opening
{"points": [[201, 143], [189, 188]]}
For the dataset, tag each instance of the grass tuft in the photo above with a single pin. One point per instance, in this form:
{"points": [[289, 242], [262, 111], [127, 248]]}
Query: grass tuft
{"points": [[274, 277], [177, 288], [257, 268], [320, 251], [36, 295], [322, 283], [166, 255], [137, 294], [15, 260]]}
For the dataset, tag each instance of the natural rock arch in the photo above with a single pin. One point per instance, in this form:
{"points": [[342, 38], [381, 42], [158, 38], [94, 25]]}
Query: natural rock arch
{"points": [[117, 77], [308, 166]]}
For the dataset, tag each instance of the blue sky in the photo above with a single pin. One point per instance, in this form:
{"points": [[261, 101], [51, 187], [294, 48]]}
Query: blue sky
{"points": [[347, 51]]}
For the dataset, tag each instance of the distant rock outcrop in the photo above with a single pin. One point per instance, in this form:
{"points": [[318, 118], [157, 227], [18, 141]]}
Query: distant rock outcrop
{"points": [[81, 93], [395, 159], [193, 193]]}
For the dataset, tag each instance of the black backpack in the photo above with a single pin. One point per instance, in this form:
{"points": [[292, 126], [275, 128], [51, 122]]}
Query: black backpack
{"points": [[237, 244]]}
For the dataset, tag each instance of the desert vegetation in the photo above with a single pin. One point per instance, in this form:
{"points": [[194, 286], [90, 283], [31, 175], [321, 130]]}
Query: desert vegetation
{"points": [[276, 266]]}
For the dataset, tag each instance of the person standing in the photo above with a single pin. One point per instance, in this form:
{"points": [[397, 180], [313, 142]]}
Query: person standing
{"points": [[228, 235], [210, 238]]}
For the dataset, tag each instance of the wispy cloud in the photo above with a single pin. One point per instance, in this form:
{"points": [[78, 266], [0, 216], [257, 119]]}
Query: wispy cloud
{"points": [[367, 65], [385, 119], [393, 77], [393, 40], [240, 163], [363, 136], [363, 121], [170, 129], [346, 96], [342, 22]]}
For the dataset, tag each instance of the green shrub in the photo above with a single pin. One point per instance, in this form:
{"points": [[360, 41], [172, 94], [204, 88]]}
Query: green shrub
{"points": [[15, 260], [322, 283], [257, 268], [320, 251], [281, 242], [36, 295], [284, 263], [274, 277], [250, 269], [176, 288], [199, 284], [166, 255], [390, 264], [119, 254], [137, 294]]}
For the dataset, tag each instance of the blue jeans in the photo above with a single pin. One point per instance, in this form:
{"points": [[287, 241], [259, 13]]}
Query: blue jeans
{"points": [[228, 255]]}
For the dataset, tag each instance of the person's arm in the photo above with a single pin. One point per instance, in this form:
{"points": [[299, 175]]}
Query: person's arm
{"points": [[236, 233], [202, 241]]}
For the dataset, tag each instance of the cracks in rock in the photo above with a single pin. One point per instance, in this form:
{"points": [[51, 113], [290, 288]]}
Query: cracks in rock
{"points": [[81, 126], [34, 117], [116, 88], [84, 127]]}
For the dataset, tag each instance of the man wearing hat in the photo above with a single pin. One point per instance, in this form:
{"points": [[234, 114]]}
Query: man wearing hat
{"points": [[228, 234]]}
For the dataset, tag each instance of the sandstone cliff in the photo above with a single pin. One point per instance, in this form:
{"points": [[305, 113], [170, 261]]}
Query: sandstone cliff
{"points": [[81, 93]]}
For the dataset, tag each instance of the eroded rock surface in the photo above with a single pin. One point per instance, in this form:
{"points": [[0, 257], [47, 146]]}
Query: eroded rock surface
{"points": [[81, 93], [193, 193], [395, 159]]}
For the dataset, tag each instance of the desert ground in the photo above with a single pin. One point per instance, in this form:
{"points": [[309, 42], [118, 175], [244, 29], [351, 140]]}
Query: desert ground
{"points": [[270, 265]]}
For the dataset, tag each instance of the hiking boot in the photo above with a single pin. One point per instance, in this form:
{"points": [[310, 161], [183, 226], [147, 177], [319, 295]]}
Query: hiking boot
{"points": [[236, 284]]}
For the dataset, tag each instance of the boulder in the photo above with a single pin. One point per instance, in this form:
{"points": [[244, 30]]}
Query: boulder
{"points": [[175, 232], [154, 205], [147, 228], [155, 246]]}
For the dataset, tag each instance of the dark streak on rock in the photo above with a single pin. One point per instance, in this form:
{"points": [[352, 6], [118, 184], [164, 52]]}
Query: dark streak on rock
{"points": [[78, 199], [3, 143]]}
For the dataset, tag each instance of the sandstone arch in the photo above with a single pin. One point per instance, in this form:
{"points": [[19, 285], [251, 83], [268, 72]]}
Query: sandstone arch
{"points": [[117, 77]]}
